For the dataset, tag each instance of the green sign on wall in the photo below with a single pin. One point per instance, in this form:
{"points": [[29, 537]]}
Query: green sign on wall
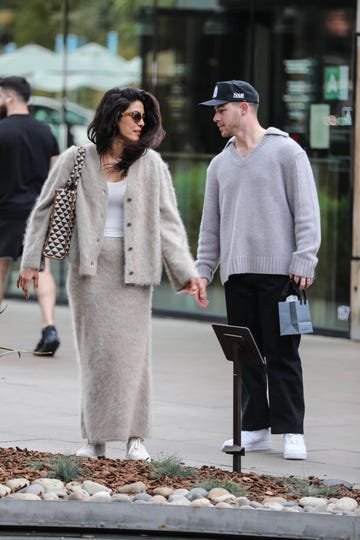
{"points": [[336, 82]]}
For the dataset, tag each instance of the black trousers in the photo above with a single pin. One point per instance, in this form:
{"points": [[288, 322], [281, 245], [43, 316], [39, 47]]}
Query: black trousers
{"points": [[272, 396]]}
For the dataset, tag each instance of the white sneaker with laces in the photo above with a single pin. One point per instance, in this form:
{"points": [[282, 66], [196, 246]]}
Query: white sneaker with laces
{"points": [[92, 450], [294, 446], [136, 450], [253, 440]]}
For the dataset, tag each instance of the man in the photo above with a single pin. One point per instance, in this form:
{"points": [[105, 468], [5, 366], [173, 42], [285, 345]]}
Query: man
{"points": [[27, 150], [261, 223]]}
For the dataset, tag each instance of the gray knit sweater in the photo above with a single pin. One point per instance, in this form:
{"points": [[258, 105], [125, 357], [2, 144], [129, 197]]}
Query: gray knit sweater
{"points": [[154, 234], [261, 212]]}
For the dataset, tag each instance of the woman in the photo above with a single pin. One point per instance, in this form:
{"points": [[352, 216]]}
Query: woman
{"points": [[127, 225]]}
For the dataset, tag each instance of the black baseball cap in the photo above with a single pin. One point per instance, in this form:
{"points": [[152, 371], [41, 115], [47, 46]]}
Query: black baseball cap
{"points": [[226, 91]]}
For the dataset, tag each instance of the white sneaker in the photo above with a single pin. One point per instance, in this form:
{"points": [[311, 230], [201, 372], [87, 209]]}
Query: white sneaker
{"points": [[136, 450], [252, 440], [92, 450], [294, 446]]}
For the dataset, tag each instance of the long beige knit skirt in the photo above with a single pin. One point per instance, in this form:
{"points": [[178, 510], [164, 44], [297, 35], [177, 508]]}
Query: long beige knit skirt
{"points": [[112, 330]]}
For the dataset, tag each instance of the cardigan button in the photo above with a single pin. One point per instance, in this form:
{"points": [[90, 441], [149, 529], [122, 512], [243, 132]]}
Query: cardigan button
{"points": [[129, 199], [130, 248], [131, 273], [128, 224]]}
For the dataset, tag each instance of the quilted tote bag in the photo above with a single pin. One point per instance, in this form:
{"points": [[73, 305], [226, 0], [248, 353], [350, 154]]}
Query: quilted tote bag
{"points": [[62, 219], [294, 313]]}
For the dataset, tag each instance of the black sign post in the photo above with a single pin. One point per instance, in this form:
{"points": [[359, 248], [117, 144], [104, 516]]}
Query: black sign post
{"points": [[239, 346]]}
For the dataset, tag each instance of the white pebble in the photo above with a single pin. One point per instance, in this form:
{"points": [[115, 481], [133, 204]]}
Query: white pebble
{"points": [[158, 499], [94, 487], [164, 491], [17, 483], [313, 501], [50, 484], [101, 497], [25, 496], [121, 497], [4, 491], [180, 501], [135, 487], [201, 502]]}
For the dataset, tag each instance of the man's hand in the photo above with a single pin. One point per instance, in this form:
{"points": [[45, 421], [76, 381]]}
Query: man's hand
{"points": [[302, 282], [25, 277], [197, 288]]}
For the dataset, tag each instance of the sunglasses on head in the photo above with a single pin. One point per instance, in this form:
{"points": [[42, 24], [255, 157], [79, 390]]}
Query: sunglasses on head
{"points": [[135, 115]]}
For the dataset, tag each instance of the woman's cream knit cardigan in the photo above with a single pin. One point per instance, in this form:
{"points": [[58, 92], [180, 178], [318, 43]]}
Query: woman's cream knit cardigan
{"points": [[154, 232]]}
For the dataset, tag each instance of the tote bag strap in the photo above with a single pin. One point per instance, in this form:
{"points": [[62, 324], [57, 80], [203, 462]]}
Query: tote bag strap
{"points": [[75, 174]]}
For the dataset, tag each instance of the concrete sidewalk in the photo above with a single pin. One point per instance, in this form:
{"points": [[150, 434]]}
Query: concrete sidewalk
{"points": [[192, 405]]}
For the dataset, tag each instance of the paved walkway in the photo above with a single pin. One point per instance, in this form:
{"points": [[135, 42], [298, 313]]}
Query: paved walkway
{"points": [[192, 412]]}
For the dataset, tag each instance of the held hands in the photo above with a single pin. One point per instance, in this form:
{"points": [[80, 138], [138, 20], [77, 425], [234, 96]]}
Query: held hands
{"points": [[197, 288], [302, 282], [25, 277]]}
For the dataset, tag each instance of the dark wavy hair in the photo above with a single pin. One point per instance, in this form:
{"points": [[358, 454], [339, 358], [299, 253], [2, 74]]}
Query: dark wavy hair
{"points": [[104, 128]]}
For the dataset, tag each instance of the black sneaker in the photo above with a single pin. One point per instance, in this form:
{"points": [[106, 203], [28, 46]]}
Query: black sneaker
{"points": [[49, 341]]}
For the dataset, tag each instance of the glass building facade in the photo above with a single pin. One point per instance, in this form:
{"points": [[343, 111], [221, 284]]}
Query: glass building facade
{"points": [[300, 55]]}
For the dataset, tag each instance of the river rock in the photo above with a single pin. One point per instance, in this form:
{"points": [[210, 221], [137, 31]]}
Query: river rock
{"points": [[280, 500], [158, 499], [178, 494], [143, 496], [165, 491], [94, 487], [74, 484], [34, 488], [273, 505], [101, 497], [50, 484], [320, 502], [179, 501], [225, 505], [256, 505], [79, 495], [345, 504], [229, 498], [4, 491], [203, 503], [196, 493], [215, 493], [135, 487], [25, 496], [121, 497], [17, 483], [50, 496], [332, 482]]}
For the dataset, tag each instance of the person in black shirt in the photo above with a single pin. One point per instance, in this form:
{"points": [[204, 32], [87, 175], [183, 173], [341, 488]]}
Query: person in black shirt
{"points": [[27, 151]]}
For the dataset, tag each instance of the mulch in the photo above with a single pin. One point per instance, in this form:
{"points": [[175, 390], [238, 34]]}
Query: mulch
{"points": [[115, 473]]}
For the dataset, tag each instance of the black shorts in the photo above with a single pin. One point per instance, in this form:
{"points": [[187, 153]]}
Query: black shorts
{"points": [[11, 237]]}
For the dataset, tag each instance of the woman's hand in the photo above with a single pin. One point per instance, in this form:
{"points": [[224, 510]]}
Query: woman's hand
{"points": [[302, 282], [197, 288], [25, 277]]}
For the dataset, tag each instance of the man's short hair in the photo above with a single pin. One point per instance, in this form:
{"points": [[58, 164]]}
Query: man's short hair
{"points": [[19, 85]]}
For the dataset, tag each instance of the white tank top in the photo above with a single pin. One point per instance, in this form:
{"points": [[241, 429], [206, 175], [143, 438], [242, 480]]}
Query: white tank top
{"points": [[114, 224]]}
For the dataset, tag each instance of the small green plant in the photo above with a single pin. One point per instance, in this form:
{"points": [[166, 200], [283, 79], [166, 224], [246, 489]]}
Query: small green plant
{"points": [[65, 468], [303, 487], [38, 465], [233, 487], [170, 466]]}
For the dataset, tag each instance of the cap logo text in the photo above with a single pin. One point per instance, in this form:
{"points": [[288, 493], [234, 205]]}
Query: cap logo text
{"points": [[238, 95]]}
